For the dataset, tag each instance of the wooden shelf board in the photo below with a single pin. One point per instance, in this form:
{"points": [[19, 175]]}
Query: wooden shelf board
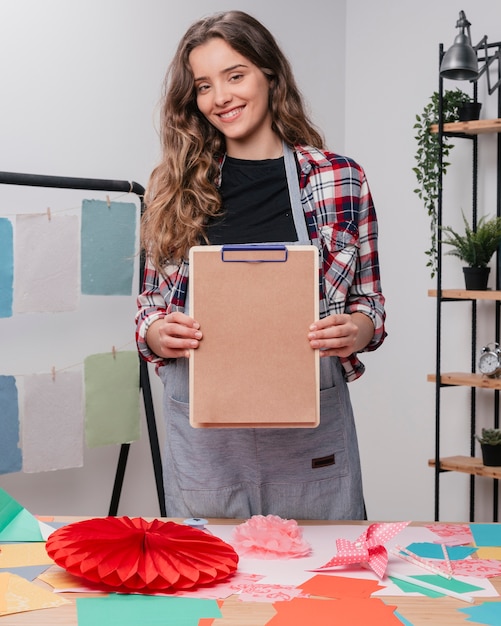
{"points": [[466, 379], [466, 294], [467, 465], [474, 127]]}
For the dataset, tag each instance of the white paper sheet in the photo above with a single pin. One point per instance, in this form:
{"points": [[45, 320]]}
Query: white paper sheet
{"points": [[52, 426], [46, 276], [322, 540]]}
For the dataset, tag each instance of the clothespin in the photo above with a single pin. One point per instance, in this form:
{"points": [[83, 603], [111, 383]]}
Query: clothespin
{"points": [[108, 201], [53, 374], [114, 352], [49, 216]]}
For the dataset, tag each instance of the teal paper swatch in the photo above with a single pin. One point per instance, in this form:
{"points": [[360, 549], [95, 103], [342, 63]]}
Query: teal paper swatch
{"points": [[6, 268], [486, 534], [132, 610], [10, 452], [429, 550], [107, 240]]}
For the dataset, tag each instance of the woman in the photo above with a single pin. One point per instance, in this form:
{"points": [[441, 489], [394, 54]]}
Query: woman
{"points": [[231, 115]]}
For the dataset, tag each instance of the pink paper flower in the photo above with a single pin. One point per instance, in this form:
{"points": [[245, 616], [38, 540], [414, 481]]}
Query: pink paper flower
{"points": [[270, 537]]}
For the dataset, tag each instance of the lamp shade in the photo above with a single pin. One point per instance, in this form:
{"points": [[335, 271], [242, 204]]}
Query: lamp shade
{"points": [[460, 61]]}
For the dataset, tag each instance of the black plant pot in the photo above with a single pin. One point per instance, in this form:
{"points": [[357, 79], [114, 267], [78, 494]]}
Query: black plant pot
{"points": [[476, 278], [469, 111], [491, 455]]}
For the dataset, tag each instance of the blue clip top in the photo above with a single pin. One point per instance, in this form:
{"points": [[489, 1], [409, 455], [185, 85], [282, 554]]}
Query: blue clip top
{"points": [[246, 253]]}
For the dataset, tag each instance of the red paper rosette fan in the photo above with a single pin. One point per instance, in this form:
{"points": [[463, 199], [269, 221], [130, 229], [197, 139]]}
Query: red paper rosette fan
{"points": [[131, 554]]}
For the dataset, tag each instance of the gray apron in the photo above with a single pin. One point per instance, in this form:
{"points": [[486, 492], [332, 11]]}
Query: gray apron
{"points": [[296, 473]]}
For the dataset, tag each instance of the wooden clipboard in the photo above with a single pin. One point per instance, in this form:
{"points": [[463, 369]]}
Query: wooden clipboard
{"points": [[254, 366]]}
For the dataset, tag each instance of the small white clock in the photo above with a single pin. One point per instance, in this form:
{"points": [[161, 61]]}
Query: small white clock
{"points": [[489, 362]]}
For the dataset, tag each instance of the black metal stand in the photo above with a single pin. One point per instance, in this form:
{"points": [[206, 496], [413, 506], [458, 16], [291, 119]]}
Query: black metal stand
{"points": [[94, 184]]}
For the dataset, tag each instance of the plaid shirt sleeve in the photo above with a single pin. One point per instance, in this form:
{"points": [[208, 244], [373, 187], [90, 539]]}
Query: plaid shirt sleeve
{"points": [[161, 294], [342, 222]]}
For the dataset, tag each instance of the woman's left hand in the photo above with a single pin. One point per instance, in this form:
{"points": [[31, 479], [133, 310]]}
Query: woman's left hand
{"points": [[341, 334]]}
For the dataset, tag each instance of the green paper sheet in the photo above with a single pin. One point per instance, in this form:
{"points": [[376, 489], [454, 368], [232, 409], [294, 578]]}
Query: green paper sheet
{"points": [[453, 584], [111, 398], [16, 523], [132, 610]]}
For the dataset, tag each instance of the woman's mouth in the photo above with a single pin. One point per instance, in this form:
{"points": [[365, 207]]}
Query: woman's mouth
{"points": [[228, 115]]}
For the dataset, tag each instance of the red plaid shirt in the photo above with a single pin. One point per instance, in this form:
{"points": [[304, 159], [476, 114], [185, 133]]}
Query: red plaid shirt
{"points": [[341, 222]]}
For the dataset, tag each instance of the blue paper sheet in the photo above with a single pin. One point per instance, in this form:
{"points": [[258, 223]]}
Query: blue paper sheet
{"points": [[10, 453], [108, 239], [6, 268]]}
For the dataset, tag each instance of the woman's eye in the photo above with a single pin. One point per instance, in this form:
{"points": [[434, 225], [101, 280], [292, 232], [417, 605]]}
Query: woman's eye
{"points": [[202, 88], [236, 77]]}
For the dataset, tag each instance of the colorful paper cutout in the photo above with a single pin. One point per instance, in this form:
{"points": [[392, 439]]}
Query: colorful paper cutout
{"points": [[340, 586], [131, 610], [28, 573], [112, 398], [489, 553], [486, 534], [10, 452], [16, 523], [17, 595], [480, 568], [300, 611], [6, 267], [23, 554], [486, 613], [434, 551], [455, 585], [108, 234], [367, 549], [452, 534]]}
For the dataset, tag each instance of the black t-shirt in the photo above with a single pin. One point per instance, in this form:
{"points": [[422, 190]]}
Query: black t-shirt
{"points": [[256, 204]]}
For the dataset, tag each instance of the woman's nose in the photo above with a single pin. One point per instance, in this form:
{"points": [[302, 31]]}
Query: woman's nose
{"points": [[222, 95]]}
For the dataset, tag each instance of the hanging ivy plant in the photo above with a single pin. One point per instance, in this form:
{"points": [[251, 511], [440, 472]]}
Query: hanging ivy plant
{"points": [[427, 155]]}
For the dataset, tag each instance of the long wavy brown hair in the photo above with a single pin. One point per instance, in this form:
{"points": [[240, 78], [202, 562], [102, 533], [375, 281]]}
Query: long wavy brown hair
{"points": [[182, 193]]}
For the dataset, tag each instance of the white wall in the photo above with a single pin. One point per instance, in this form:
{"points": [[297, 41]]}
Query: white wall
{"points": [[80, 81], [392, 69]]}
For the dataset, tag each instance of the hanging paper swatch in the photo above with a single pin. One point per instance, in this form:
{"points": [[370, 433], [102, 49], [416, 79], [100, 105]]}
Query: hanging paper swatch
{"points": [[10, 453], [6, 267], [46, 263], [107, 238], [111, 398], [53, 422]]}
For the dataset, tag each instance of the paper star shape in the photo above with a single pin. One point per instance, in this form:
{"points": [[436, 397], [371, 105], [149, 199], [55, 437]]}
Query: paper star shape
{"points": [[368, 549]]}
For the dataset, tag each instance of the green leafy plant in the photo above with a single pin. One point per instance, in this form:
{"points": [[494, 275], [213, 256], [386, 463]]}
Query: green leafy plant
{"points": [[490, 436], [427, 169], [475, 247]]}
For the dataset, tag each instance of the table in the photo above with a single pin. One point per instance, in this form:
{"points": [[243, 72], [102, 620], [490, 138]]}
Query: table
{"points": [[419, 610]]}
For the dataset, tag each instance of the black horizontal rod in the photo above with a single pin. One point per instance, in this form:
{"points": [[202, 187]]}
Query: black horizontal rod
{"points": [[67, 182]]}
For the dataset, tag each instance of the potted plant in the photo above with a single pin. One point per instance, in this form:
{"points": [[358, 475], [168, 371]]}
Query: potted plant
{"points": [[490, 443], [427, 156], [475, 247]]}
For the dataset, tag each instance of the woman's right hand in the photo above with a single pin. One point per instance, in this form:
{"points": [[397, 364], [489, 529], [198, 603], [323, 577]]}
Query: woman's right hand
{"points": [[174, 336]]}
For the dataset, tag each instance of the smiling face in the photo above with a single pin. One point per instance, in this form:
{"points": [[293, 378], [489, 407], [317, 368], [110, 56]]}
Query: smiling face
{"points": [[233, 94]]}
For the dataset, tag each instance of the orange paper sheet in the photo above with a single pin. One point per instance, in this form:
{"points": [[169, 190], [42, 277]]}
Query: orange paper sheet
{"points": [[340, 587], [18, 595], [23, 555], [345, 612]]}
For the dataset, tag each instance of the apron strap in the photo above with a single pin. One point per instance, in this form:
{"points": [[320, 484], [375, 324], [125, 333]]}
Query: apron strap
{"points": [[295, 196]]}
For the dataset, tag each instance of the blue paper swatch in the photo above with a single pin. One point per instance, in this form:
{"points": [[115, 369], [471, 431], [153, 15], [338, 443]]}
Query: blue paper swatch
{"points": [[108, 238], [6, 267], [10, 453]]}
